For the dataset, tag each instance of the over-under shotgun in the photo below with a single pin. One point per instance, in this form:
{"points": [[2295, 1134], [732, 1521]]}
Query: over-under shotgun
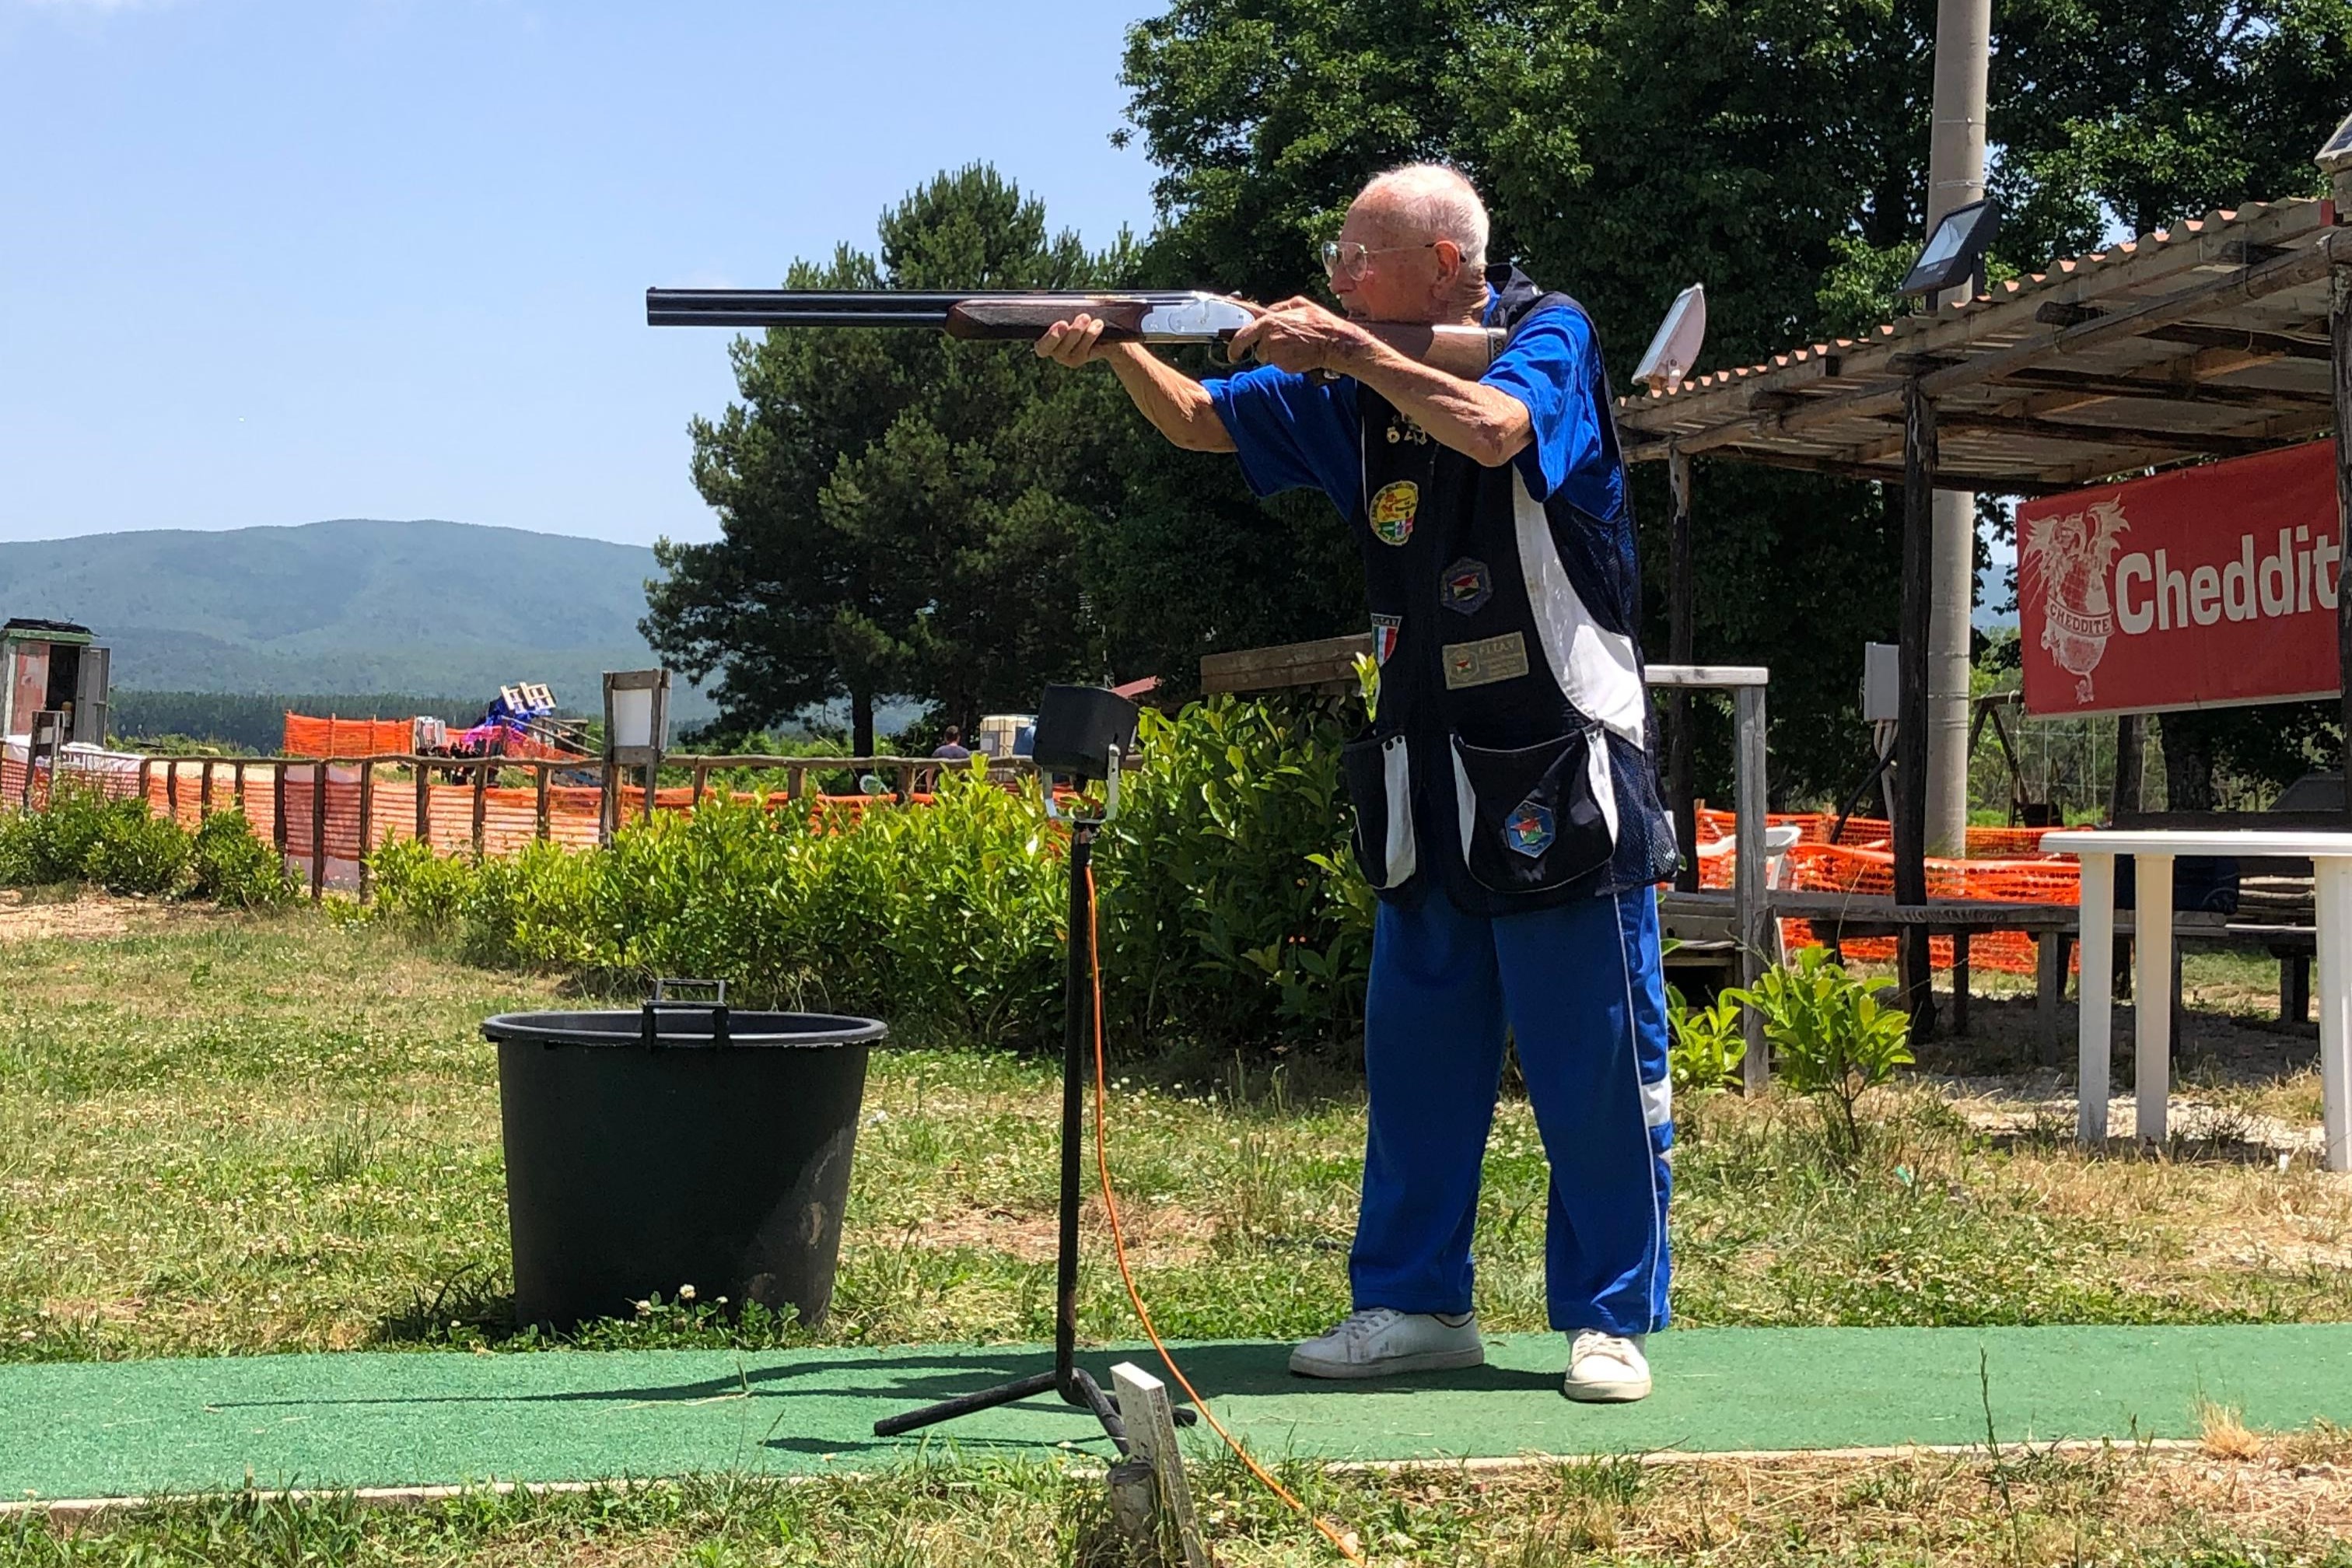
{"points": [[1144, 316]]}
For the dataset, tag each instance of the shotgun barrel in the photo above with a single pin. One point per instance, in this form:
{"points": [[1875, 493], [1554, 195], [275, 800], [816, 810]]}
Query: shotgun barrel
{"points": [[1129, 315]]}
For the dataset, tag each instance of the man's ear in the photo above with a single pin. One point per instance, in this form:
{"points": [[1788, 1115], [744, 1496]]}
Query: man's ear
{"points": [[1449, 264]]}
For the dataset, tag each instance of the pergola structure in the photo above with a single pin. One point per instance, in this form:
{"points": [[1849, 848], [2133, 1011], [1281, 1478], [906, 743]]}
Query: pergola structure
{"points": [[2228, 335]]}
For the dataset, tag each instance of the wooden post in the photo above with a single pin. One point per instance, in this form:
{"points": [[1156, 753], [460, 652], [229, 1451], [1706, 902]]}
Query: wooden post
{"points": [[539, 806], [205, 790], [1960, 981], [278, 804], [146, 778], [2339, 337], [481, 801], [607, 798], [795, 781], [1911, 728], [237, 783], [317, 830], [905, 783], [424, 801], [701, 779], [170, 787], [1748, 894], [652, 783], [1682, 607], [367, 820], [1150, 1422]]}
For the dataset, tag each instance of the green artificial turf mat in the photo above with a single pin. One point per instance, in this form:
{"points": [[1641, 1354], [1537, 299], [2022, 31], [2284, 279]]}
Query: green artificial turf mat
{"points": [[134, 1428]]}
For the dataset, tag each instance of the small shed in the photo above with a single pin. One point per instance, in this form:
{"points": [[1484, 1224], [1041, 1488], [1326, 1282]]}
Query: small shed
{"points": [[52, 667]]}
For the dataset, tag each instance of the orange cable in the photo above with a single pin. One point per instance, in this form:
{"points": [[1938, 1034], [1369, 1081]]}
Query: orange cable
{"points": [[1330, 1533]]}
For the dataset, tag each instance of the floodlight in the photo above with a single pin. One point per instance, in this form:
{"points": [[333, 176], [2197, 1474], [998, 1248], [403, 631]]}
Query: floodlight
{"points": [[1955, 250], [1675, 349], [1083, 731], [2336, 157]]}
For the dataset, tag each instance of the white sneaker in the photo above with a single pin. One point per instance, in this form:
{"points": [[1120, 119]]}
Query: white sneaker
{"points": [[1605, 1368], [1376, 1341]]}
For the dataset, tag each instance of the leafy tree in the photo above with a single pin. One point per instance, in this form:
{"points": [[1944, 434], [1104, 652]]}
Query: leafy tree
{"points": [[897, 509]]}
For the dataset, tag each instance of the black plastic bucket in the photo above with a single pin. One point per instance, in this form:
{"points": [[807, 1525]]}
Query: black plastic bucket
{"points": [[675, 1146]]}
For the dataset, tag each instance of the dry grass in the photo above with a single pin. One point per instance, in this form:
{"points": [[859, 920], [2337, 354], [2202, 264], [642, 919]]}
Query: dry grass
{"points": [[2271, 1499]]}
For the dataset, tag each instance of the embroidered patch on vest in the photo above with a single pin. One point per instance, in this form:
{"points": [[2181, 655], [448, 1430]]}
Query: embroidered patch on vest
{"points": [[1384, 635], [1393, 508], [1529, 831], [1485, 661], [1467, 586]]}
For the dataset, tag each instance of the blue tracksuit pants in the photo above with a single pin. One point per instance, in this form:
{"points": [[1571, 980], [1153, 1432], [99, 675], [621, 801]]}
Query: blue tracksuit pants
{"points": [[1579, 991]]}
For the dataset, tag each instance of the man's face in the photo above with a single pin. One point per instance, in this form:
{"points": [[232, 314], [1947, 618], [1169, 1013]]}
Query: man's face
{"points": [[1404, 273]]}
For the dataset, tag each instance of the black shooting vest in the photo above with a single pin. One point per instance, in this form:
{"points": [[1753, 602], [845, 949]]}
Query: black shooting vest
{"points": [[1513, 755]]}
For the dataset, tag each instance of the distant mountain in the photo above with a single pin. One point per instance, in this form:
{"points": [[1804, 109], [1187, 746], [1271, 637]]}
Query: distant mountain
{"points": [[354, 606]]}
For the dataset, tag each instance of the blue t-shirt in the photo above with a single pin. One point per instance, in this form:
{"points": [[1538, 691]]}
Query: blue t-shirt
{"points": [[1291, 433]]}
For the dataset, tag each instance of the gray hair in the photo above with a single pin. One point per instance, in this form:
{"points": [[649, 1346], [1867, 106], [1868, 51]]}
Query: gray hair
{"points": [[1438, 201]]}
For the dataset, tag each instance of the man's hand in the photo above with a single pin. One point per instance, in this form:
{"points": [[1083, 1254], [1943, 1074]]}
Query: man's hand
{"points": [[1299, 335], [1073, 342]]}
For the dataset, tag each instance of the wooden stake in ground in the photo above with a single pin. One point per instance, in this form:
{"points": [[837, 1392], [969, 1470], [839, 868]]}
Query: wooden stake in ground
{"points": [[1150, 1422]]}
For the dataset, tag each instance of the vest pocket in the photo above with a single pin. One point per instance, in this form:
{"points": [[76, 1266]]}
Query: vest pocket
{"points": [[1377, 770], [1539, 817]]}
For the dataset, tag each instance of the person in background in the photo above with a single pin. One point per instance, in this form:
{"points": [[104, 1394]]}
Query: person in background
{"points": [[953, 748]]}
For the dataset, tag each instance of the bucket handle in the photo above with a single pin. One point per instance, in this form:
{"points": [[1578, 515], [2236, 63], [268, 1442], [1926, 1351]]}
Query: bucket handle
{"points": [[661, 1002]]}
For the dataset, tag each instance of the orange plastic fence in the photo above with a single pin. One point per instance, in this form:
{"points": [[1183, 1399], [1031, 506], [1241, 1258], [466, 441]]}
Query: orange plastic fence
{"points": [[1863, 861], [332, 737]]}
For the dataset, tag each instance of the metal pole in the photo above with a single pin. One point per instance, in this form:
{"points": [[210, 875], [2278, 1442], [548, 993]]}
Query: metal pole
{"points": [[1682, 606], [1911, 728], [1955, 164], [1077, 1013], [1748, 893]]}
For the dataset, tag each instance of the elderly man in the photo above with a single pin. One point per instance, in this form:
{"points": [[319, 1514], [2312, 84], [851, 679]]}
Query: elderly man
{"points": [[1506, 806]]}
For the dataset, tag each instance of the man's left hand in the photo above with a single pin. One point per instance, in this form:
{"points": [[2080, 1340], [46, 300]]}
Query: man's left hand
{"points": [[1299, 335]]}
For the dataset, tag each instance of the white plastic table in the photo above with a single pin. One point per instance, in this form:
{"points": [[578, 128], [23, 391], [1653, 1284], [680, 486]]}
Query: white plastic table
{"points": [[2152, 851]]}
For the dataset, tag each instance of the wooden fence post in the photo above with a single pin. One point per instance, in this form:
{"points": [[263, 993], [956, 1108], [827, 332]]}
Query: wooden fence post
{"points": [[146, 778], [701, 780], [367, 820], [237, 783], [204, 790], [423, 803], [278, 804], [795, 781], [170, 788], [317, 830], [540, 826], [481, 801]]}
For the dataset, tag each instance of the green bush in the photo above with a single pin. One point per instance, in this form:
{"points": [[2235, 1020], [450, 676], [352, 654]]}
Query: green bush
{"points": [[136, 852], [54, 844], [1830, 1039], [1232, 906], [232, 866], [1705, 1046], [1229, 906]]}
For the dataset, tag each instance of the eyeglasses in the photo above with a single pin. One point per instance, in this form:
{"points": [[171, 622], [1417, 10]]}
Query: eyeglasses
{"points": [[1346, 258]]}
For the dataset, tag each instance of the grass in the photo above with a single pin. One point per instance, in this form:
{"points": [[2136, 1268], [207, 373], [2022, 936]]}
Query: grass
{"points": [[2266, 1500], [228, 1134]]}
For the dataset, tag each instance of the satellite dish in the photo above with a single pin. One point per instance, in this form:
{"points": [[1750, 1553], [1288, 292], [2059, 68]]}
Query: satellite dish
{"points": [[2337, 155], [1675, 348]]}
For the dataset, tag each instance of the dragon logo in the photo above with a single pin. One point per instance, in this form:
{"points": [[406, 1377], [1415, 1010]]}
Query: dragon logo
{"points": [[2065, 560]]}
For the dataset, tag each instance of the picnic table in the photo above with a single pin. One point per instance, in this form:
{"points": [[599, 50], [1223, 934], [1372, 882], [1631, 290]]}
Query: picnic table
{"points": [[2153, 851]]}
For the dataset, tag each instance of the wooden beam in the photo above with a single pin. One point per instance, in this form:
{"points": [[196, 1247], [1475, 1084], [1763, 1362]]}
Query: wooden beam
{"points": [[1682, 609], [2071, 432], [1911, 727], [2269, 345], [2141, 388], [1330, 663]]}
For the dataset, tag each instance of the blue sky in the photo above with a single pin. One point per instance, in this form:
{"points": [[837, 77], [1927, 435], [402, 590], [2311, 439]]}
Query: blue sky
{"points": [[264, 261]]}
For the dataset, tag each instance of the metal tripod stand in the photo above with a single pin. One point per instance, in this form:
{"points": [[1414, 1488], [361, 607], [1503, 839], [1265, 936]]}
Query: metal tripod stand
{"points": [[1074, 1383]]}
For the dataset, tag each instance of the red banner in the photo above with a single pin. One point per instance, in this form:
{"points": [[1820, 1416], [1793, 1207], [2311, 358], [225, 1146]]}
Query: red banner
{"points": [[2204, 587]]}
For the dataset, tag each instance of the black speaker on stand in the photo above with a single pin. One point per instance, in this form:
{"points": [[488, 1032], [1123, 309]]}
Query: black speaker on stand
{"points": [[1082, 732]]}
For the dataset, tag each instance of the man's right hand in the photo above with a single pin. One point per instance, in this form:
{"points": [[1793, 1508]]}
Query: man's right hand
{"points": [[1073, 342]]}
